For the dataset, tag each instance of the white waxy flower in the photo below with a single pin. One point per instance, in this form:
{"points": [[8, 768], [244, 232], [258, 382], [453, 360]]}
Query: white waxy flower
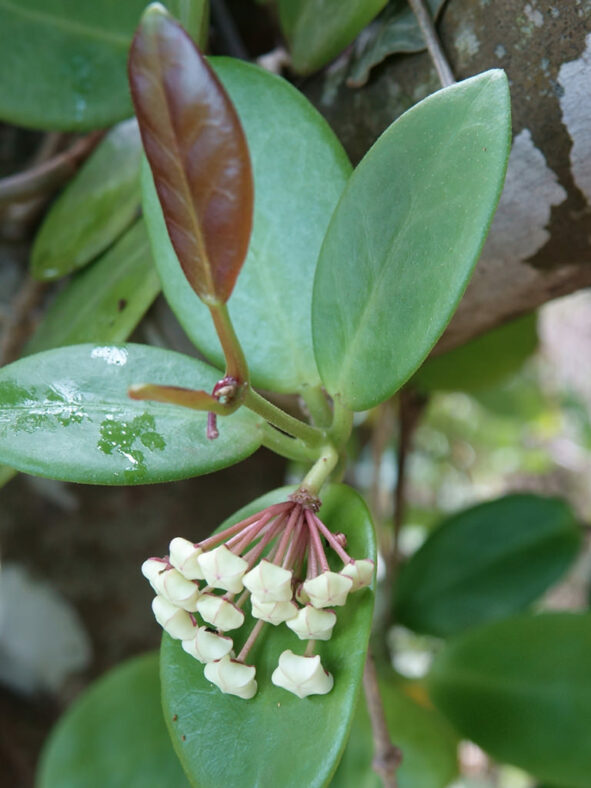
{"points": [[206, 646], [168, 582], [313, 624], [220, 613], [269, 582], [301, 595], [178, 623], [273, 612], [360, 572], [232, 677], [328, 589], [184, 557], [152, 570], [223, 569], [302, 675]]}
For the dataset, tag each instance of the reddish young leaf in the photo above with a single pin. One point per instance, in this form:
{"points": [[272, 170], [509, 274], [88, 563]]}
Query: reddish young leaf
{"points": [[197, 151]]}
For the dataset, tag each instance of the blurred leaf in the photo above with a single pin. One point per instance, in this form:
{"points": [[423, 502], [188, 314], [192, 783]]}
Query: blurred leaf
{"points": [[521, 689], [427, 742], [487, 562], [300, 170], [66, 414], [197, 152], [275, 739], [114, 735], [405, 236], [483, 362], [395, 31], [106, 302], [66, 60], [94, 209], [319, 30]]}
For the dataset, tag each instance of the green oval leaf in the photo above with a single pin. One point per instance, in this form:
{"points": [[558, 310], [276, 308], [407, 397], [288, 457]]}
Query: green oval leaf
{"points": [[319, 30], [65, 414], [107, 301], [521, 689], [94, 209], [197, 153], [275, 739], [405, 236], [300, 170], [483, 362], [66, 61], [114, 735], [487, 562], [427, 742]]}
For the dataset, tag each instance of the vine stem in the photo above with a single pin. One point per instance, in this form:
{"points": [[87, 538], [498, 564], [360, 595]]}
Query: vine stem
{"points": [[444, 72], [279, 418], [387, 757], [291, 448], [320, 471]]}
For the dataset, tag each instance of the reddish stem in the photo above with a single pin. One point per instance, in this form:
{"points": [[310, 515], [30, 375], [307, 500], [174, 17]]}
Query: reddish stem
{"points": [[330, 538], [316, 541], [215, 539]]}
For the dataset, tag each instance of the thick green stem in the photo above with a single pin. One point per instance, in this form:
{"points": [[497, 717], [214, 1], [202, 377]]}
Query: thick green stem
{"points": [[342, 423], [279, 418], [292, 448], [320, 471], [236, 366], [317, 405]]}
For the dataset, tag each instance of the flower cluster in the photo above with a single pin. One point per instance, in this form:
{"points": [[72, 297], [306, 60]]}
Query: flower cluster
{"points": [[276, 557]]}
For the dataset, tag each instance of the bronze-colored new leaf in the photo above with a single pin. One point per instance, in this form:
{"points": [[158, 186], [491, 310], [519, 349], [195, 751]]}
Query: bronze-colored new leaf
{"points": [[197, 152]]}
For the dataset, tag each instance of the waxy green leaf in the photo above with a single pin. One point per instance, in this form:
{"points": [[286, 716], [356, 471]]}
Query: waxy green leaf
{"points": [[483, 362], [521, 689], [66, 414], [405, 236], [427, 742], [275, 739], [319, 30], [487, 562], [197, 153], [94, 209], [66, 60], [107, 301], [114, 735], [300, 170]]}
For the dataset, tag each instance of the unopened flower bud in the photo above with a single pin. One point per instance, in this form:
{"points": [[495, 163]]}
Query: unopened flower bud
{"points": [[206, 646], [313, 624], [360, 572], [220, 613], [302, 675], [301, 595], [184, 557], [328, 589], [232, 677], [273, 612], [269, 582], [168, 582], [152, 570], [178, 623], [223, 569]]}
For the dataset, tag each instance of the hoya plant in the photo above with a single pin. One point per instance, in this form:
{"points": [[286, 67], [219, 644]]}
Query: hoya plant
{"points": [[293, 275]]}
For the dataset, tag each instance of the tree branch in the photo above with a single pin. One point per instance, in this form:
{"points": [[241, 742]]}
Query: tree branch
{"points": [[387, 757], [436, 52]]}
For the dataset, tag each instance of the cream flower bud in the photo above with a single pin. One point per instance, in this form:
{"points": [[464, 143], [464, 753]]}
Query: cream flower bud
{"points": [[184, 557], [206, 646], [232, 677], [301, 595], [152, 570], [360, 572], [220, 613], [223, 569], [273, 612], [179, 590], [269, 582], [328, 589], [313, 624], [178, 623], [302, 675]]}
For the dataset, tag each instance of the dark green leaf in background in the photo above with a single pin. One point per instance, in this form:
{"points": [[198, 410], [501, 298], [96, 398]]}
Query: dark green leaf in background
{"points": [[300, 170], [275, 739], [64, 61], [94, 209], [114, 735], [521, 689], [319, 30], [482, 363], [65, 414], [427, 741], [405, 236], [105, 302], [487, 562]]}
